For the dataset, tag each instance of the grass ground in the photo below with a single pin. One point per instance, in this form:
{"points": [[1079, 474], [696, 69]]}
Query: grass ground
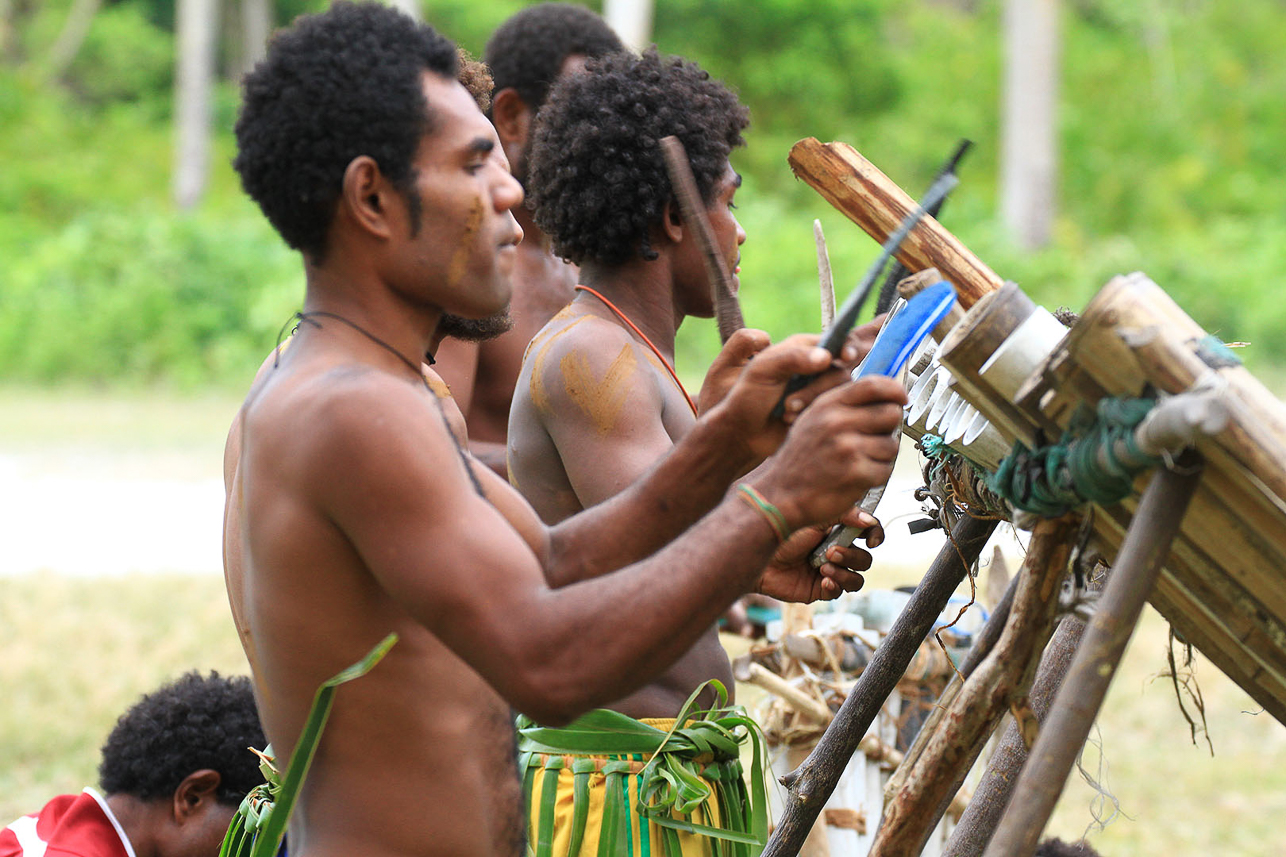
{"points": [[76, 651]]}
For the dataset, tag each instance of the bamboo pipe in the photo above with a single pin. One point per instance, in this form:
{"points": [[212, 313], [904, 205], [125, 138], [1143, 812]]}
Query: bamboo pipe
{"points": [[874, 202], [746, 670]]}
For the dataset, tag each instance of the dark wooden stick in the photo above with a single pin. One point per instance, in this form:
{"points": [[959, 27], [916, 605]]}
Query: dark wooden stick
{"points": [[727, 309], [1001, 680], [1137, 566], [979, 820], [809, 785], [982, 646]]}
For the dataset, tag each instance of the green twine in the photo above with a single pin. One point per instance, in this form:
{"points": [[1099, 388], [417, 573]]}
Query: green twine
{"points": [[934, 446], [1084, 466], [1215, 354]]}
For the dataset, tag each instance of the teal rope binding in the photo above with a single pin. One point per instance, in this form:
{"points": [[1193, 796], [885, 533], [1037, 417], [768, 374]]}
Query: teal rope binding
{"points": [[1095, 461]]}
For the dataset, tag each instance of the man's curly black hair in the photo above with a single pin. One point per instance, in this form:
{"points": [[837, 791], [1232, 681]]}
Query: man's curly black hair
{"points": [[193, 723], [335, 86], [527, 51], [598, 177]]}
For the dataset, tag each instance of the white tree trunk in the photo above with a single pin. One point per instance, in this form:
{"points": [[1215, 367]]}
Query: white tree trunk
{"points": [[72, 35], [632, 21], [1029, 147], [410, 7], [197, 22], [256, 27]]}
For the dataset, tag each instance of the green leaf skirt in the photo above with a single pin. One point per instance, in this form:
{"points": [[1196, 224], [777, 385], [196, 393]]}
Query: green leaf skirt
{"points": [[608, 784]]}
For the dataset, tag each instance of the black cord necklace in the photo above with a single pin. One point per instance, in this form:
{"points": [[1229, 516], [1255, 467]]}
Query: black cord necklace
{"points": [[311, 318]]}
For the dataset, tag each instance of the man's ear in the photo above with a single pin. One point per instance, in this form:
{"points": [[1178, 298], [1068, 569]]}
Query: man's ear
{"points": [[511, 116], [198, 790], [366, 195], [671, 222]]}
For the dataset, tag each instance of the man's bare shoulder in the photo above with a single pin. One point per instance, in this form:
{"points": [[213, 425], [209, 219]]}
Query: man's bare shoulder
{"points": [[343, 414], [586, 367]]}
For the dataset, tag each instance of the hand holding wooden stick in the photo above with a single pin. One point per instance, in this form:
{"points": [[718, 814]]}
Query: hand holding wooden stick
{"points": [[727, 310]]}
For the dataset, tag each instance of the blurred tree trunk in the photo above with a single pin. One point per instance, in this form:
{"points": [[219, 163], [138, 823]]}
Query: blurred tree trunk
{"points": [[256, 27], [196, 22], [1029, 147], [410, 7], [7, 32], [631, 19], [72, 36]]}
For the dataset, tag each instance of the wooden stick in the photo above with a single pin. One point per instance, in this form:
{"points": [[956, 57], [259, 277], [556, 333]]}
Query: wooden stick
{"points": [[727, 310], [978, 822], [746, 670], [874, 202], [1000, 681], [810, 785], [825, 279], [982, 646], [1146, 546]]}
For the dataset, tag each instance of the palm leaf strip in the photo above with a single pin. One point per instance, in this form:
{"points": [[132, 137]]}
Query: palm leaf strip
{"points": [[260, 821]]}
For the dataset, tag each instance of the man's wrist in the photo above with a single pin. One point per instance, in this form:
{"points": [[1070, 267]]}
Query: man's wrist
{"points": [[719, 436], [784, 508]]}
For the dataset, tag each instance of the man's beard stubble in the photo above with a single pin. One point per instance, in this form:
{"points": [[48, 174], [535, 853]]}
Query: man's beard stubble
{"points": [[475, 329]]}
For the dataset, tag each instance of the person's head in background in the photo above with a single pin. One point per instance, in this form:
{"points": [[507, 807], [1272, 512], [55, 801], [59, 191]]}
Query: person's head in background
{"points": [[527, 54], [178, 763], [172, 773]]}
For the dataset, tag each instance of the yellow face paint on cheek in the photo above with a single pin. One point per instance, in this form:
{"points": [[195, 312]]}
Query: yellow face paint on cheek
{"points": [[464, 249], [600, 400]]}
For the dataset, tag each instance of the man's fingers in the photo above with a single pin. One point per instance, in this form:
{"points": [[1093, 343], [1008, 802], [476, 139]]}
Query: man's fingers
{"points": [[839, 580], [797, 355], [847, 558], [797, 401], [741, 346], [860, 339]]}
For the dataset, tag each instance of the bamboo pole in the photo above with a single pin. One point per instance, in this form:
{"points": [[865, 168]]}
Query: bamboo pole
{"points": [[1134, 574], [809, 785], [1000, 682], [874, 202]]}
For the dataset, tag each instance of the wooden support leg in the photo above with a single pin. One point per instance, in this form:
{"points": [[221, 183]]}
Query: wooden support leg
{"points": [[1138, 563], [1000, 679], [979, 820], [811, 784]]}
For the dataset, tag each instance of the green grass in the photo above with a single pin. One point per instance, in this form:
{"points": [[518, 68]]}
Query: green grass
{"points": [[75, 653]]}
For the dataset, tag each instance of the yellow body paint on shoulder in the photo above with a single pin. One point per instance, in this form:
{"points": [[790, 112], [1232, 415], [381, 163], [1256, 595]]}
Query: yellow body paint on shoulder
{"points": [[600, 400], [539, 395], [437, 385]]}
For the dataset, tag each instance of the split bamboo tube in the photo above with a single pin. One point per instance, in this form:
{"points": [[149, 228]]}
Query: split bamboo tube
{"points": [[874, 202]]}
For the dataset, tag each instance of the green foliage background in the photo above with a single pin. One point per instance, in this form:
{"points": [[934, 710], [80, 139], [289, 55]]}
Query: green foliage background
{"points": [[1171, 130]]}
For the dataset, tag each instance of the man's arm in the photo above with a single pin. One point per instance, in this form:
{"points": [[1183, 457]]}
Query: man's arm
{"points": [[695, 474], [456, 565]]}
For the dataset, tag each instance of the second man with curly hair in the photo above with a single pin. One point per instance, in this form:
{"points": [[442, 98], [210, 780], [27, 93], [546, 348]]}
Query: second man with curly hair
{"points": [[598, 403]]}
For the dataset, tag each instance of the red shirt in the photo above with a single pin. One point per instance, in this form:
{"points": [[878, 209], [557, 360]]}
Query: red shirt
{"points": [[68, 826]]}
